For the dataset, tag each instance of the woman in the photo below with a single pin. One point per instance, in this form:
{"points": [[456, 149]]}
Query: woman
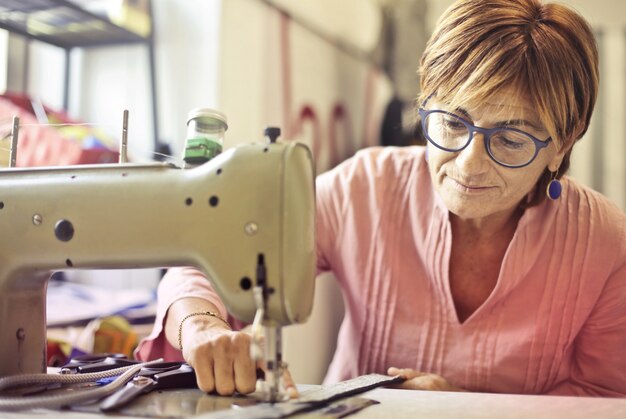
{"points": [[457, 270]]}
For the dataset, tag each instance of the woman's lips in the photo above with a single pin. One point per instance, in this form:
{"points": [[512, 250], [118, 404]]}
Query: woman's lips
{"points": [[459, 185]]}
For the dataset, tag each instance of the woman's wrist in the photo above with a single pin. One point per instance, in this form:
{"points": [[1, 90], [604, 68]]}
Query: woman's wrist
{"points": [[199, 321], [180, 309]]}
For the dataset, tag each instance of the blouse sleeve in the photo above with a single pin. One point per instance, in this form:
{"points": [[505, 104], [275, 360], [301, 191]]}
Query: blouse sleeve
{"points": [[176, 284], [325, 221], [331, 191], [599, 368]]}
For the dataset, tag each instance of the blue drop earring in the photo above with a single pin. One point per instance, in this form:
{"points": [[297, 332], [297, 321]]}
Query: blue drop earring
{"points": [[553, 191]]}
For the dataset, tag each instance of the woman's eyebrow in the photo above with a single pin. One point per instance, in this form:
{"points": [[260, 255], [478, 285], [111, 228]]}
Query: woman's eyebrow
{"points": [[509, 122], [520, 122], [463, 112]]}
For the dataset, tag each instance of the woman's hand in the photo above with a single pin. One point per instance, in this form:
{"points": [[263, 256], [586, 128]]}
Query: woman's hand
{"points": [[222, 361], [220, 356], [416, 380]]}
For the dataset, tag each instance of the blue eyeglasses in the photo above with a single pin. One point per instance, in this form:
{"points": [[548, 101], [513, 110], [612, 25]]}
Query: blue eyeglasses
{"points": [[509, 147]]}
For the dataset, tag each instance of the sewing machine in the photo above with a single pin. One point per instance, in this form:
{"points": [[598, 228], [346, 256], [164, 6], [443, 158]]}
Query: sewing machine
{"points": [[245, 218]]}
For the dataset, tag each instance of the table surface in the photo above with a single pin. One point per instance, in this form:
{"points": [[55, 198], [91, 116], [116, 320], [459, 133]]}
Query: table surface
{"points": [[399, 403]]}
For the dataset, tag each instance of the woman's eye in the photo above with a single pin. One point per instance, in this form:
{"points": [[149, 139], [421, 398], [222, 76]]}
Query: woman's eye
{"points": [[513, 143], [453, 123], [508, 142]]}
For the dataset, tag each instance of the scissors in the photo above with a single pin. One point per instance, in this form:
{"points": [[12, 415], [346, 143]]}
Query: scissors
{"points": [[83, 364], [156, 376]]}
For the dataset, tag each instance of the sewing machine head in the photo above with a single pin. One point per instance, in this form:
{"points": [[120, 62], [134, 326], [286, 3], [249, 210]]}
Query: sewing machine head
{"points": [[246, 218]]}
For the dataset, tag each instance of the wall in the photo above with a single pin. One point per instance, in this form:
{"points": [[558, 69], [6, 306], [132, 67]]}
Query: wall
{"points": [[116, 78], [293, 78], [600, 160]]}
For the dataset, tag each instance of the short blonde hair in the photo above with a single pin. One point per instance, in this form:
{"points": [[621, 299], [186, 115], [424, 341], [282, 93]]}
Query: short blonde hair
{"points": [[546, 52]]}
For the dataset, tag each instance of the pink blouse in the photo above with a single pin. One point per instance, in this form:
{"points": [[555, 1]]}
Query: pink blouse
{"points": [[554, 324]]}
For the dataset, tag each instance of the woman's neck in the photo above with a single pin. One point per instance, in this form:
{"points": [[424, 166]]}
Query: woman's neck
{"points": [[499, 225]]}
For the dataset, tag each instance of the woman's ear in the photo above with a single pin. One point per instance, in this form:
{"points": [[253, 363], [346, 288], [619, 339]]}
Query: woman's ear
{"points": [[556, 161]]}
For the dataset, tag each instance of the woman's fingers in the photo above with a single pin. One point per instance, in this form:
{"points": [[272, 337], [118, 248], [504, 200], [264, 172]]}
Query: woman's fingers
{"points": [[405, 373], [417, 380], [290, 385], [202, 363], [244, 367], [286, 381], [223, 363]]}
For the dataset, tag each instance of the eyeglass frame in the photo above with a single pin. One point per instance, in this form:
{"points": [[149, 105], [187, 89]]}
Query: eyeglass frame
{"points": [[487, 132]]}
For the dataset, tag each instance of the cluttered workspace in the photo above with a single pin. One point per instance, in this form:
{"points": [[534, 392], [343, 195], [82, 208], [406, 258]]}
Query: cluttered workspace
{"points": [[139, 136]]}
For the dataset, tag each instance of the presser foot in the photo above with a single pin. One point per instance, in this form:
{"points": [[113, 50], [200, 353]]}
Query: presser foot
{"points": [[266, 393]]}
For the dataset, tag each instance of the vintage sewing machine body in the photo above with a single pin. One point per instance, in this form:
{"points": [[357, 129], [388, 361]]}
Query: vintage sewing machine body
{"points": [[245, 218]]}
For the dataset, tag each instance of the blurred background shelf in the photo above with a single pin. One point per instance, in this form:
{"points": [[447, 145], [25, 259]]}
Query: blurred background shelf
{"points": [[84, 24], [67, 24]]}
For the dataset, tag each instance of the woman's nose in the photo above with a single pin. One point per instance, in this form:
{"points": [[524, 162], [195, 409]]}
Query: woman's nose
{"points": [[474, 159]]}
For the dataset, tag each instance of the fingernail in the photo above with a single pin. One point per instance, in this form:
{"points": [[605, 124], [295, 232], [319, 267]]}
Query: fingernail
{"points": [[292, 392]]}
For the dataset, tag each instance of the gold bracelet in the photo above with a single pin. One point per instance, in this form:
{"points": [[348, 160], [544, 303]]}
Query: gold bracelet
{"points": [[200, 313]]}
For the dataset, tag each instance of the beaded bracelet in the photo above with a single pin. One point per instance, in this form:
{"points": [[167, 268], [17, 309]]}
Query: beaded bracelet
{"points": [[200, 313]]}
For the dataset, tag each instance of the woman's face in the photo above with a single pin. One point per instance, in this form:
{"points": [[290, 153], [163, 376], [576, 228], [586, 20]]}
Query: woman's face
{"points": [[471, 184]]}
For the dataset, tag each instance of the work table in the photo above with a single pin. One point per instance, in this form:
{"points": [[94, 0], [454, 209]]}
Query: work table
{"points": [[392, 403]]}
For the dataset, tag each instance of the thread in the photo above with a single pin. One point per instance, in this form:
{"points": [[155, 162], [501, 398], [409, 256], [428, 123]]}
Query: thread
{"points": [[137, 151]]}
